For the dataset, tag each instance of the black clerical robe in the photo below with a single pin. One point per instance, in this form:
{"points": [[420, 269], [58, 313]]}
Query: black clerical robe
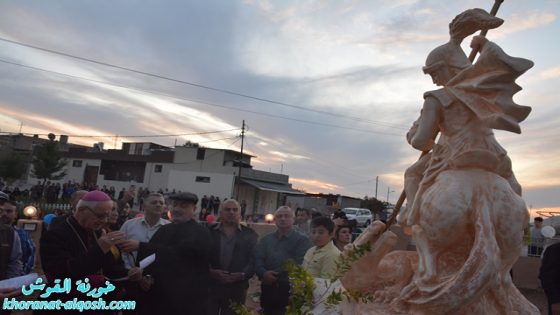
{"points": [[181, 268], [69, 251], [550, 274]]}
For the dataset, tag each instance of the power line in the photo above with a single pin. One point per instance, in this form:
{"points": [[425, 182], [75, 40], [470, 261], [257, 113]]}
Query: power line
{"points": [[214, 140], [198, 101], [247, 145], [386, 124], [121, 136]]}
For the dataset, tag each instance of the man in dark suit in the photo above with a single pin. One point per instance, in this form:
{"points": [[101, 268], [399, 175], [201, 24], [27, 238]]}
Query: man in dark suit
{"points": [[550, 277], [180, 271], [233, 259]]}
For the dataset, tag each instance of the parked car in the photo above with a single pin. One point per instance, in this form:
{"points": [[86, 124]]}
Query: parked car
{"points": [[356, 232], [362, 216]]}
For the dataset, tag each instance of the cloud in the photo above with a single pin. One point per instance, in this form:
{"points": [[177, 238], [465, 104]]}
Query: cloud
{"points": [[542, 197], [544, 212], [285, 156], [39, 124], [548, 74], [312, 185], [517, 22], [352, 58]]}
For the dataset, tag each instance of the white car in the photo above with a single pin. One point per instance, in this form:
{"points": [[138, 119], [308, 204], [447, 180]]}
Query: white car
{"points": [[362, 216]]}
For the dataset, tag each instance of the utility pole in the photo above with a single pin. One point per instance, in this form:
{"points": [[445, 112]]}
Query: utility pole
{"points": [[388, 188], [240, 160], [376, 182]]}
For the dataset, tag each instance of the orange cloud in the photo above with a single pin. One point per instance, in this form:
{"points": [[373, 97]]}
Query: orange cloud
{"points": [[544, 212], [312, 185], [44, 125]]}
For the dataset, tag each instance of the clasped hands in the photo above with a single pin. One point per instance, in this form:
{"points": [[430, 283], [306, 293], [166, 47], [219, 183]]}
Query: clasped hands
{"points": [[226, 277]]}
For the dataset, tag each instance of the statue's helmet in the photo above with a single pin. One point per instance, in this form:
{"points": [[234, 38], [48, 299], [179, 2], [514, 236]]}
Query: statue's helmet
{"points": [[463, 25], [450, 55]]}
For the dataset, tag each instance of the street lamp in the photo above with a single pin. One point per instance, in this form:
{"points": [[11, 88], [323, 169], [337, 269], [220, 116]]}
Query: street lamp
{"points": [[30, 211], [269, 218]]}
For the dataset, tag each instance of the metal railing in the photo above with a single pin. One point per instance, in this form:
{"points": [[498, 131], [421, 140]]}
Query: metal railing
{"points": [[535, 247], [45, 207]]}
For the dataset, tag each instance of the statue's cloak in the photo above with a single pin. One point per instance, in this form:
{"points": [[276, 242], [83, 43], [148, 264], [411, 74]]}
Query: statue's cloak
{"points": [[487, 88]]}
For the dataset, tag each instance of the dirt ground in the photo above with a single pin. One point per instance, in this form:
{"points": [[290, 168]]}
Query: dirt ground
{"points": [[537, 297]]}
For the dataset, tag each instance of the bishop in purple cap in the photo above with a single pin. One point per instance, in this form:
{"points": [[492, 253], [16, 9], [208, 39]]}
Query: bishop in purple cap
{"points": [[79, 249]]}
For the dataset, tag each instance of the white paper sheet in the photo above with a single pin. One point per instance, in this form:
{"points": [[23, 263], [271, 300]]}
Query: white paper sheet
{"points": [[147, 261], [143, 264], [18, 282], [117, 279]]}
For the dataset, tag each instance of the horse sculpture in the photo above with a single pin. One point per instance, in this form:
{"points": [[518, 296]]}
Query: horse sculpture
{"points": [[465, 209]]}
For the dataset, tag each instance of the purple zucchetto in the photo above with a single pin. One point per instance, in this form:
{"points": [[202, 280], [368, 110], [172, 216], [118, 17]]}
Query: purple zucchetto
{"points": [[96, 195]]}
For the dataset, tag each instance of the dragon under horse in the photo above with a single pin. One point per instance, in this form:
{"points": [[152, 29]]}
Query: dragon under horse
{"points": [[465, 209]]}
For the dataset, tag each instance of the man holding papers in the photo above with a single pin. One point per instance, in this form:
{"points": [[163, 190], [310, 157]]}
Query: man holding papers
{"points": [[181, 267]]}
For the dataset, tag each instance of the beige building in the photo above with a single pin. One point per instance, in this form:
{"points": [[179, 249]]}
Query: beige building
{"points": [[203, 171]]}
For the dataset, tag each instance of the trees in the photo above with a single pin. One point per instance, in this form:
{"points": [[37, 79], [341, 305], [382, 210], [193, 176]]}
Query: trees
{"points": [[190, 144], [48, 164], [12, 168], [373, 204]]}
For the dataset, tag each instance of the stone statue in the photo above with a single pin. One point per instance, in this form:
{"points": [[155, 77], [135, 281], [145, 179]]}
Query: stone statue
{"points": [[464, 204]]}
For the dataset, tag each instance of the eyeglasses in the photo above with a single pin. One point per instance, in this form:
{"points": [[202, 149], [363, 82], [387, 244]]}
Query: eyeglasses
{"points": [[100, 217], [231, 209]]}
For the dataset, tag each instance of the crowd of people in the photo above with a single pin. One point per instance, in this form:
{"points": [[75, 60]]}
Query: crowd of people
{"points": [[54, 192], [198, 268], [51, 192]]}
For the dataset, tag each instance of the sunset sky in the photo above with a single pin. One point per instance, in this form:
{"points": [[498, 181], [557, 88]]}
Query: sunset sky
{"points": [[328, 89]]}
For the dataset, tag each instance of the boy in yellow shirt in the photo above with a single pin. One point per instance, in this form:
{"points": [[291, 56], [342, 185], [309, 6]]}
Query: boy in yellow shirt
{"points": [[320, 260]]}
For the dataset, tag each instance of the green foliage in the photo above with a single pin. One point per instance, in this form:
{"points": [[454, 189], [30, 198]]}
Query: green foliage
{"points": [[345, 261], [334, 298], [343, 265], [337, 296], [12, 168], [303, 285], [239, 309], [47, 162]]}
